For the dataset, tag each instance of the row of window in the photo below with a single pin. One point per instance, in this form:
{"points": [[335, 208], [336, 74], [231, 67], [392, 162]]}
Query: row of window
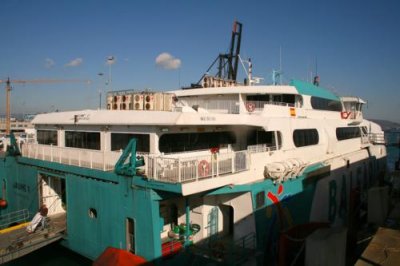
{"points": [[325, 104], [317, 103], [181, 142], [283, 98], [307, 137], [195, 141]]}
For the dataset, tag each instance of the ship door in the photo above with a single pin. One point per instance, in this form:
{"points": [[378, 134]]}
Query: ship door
{"points": [[52, 193], [213, 223], [227, 220], [130, 235]]}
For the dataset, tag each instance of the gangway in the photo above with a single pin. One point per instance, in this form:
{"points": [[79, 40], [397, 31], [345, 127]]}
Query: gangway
{"points": [[16, 242]]}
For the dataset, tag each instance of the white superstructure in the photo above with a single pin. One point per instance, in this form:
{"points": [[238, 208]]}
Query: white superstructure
{"points": [[216, 136]]}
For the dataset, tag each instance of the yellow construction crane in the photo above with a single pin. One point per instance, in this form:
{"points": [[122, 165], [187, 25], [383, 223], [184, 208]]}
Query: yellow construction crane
{"points": [[32, 81]]}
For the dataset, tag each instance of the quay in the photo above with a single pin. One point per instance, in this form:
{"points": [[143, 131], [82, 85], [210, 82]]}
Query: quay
{"points": [[16, 242]]}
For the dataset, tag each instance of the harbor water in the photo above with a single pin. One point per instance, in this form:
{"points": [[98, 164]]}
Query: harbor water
{"points": [[55, 254]]}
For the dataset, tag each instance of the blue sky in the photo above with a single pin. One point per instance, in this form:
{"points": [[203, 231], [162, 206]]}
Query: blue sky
{"points": [[356, 45]]}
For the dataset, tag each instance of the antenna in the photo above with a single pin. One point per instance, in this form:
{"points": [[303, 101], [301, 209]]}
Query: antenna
{"points": [[280, 65], [316, 78], [278, 73]]}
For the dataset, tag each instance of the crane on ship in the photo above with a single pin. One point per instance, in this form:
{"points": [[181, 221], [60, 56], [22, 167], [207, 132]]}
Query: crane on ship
{"points": [[8, 82], [227, 64]]}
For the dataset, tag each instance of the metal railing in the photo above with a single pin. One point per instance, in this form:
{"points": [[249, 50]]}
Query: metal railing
{"points": [[225, 250], [248, 241], [179, 170], [377, 138], [260, 148], [259, 105], [163, 168], [215, 106], [93, 159], [13, 218]]}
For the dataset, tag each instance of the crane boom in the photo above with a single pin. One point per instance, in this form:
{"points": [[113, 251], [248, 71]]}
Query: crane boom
{"points": [[32, 81]]}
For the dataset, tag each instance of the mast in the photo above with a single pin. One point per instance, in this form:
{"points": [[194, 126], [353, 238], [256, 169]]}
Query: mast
{"points": [[8, 107]]}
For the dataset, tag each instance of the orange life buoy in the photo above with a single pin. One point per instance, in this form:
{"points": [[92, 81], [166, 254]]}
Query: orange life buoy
{"points": [[250, 107], [204, 168], [345, 115], [3, 203]]}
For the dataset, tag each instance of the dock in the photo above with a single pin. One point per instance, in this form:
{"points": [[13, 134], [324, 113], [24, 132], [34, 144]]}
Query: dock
{"points": [[16, 242], [384, 247]]}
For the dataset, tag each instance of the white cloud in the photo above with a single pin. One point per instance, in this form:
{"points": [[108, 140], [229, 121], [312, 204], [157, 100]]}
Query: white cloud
{"points": [[111, 60], [167, 61], [49, 63], [75, 62]]}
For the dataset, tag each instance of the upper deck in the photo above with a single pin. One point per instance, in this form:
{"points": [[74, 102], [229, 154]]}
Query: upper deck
{"points": [[177, 138]]}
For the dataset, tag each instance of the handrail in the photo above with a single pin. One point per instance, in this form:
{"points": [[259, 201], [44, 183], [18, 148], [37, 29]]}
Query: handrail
{"points": [[169, 169], [179, 170], [13, 217], [377, 138], [93, 159]]}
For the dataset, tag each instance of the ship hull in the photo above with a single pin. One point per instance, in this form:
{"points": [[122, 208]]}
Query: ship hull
{"points": [[103, 207]]}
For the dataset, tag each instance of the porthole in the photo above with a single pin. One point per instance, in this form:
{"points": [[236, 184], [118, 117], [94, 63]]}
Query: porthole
{"points": [[92, 213]]}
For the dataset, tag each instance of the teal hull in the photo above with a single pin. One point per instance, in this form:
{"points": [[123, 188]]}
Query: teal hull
{"points": [[116, 198]]}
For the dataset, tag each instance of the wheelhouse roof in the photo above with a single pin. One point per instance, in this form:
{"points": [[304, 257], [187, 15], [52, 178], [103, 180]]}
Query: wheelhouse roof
{"points": [[312, 90]]}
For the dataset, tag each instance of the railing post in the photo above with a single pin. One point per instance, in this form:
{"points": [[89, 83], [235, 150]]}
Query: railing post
{"points": [[233, 162], [216, 157], [212, 166], [79, 158], [91, 160], [196, 165], [179, 171], [51, 152], [247, 161], [155, 167]]}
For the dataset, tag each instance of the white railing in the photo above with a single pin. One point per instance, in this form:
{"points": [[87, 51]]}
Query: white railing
{"points": [[259, 105], [215, 106], [162, 168], [72, 156], [179, 170], [260, 148], [377, 138]]}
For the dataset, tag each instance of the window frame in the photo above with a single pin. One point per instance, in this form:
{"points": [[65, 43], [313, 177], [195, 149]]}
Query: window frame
{"points": [[300, 139]]}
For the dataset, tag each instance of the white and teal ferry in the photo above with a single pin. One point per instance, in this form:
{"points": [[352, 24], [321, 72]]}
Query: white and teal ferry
{"points": [[213, 173]]}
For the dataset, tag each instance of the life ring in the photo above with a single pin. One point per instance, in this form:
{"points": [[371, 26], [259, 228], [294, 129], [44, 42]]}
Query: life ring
{"points": [[345, 115], [204, 168], [250, 107], [3, 203]]}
